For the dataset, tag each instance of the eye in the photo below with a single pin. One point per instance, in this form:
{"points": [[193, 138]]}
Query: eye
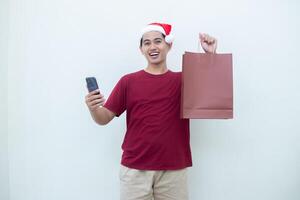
{"points": [[157, 41]]}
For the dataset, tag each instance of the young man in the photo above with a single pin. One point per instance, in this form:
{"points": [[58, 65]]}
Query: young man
{"points": [[156, 146]]}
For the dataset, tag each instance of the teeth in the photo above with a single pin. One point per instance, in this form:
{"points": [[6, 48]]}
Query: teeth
{"points": [[153, 54]]}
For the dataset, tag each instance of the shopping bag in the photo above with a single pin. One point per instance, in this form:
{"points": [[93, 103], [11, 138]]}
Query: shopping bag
{"points": [[207, 86]]}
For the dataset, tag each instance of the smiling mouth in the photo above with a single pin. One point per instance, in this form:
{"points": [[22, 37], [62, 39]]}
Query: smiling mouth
{"points": [[154, 54]]}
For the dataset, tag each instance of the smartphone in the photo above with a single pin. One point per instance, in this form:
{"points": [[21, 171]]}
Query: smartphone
{"points": [[91, 84]]}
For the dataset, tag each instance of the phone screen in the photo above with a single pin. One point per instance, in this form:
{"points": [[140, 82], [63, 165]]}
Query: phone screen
{"points": [[91, 84]]}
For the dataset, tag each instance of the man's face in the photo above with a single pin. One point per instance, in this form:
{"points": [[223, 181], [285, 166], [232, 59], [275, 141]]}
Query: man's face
{"points": [[154, 47]]}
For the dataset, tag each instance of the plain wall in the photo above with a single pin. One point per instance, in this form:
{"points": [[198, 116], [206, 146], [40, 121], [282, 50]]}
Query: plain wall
{"points": [[57, 152], [4, 164]]}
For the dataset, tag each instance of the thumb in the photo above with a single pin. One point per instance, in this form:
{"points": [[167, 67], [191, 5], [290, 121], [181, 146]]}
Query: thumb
{"points": [[201, 36]]}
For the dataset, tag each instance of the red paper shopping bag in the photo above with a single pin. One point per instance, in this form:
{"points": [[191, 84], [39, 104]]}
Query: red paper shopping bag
{"points": [[207, 86]]}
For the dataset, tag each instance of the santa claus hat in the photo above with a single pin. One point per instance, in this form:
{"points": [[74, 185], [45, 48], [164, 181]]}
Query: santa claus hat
{"points": [[163, 28]]}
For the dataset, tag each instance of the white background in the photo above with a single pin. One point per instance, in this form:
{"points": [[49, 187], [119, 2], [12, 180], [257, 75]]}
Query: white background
{"points": [[50, 147]]}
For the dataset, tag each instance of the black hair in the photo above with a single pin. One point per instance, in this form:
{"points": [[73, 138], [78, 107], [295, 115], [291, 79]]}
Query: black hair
{"points": [[141, 41]]}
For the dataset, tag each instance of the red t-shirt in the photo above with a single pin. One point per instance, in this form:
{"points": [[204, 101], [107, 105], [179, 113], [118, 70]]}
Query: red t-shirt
{"points": [[156, 138]]}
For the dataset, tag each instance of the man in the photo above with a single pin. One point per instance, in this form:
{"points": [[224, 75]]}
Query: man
{"points": [[156, 146]]}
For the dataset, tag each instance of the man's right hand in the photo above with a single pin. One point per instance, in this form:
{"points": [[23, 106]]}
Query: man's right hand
{"points": [[94, 99]]}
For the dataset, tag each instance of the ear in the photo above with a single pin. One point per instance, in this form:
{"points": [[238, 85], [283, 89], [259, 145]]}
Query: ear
{"points": [[141, 50], [170, 46]]}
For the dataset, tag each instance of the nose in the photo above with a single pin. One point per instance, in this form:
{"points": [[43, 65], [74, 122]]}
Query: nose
{"points": [[152, 46]]}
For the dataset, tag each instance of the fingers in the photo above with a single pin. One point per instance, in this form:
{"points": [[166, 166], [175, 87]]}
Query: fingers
{"points": [[93, 93], [92, 105], [207, 38], [96, 103], [95, 96], [94, 99]]}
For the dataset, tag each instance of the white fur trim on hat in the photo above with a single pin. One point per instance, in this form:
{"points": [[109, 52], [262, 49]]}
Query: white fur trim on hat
{"points": [[153, 28], [169, 38]]}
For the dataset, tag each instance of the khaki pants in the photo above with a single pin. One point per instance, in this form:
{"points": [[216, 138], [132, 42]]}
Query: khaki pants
{"points": [[153, 184]]}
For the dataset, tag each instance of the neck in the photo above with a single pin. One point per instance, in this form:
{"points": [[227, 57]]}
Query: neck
{"points": [[157, 68]]}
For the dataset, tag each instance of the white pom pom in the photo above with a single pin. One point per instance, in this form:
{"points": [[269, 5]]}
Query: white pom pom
{"points": [[169, 38]]}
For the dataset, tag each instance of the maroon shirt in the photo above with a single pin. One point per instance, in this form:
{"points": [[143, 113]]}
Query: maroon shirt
{"points": [[156, 138]]}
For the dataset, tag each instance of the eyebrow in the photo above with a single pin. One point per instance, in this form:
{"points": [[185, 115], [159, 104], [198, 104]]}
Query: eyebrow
{"points": [[146, 40]]}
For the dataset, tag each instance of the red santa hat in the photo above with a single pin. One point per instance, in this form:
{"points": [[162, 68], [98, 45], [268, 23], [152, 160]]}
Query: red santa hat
{"points": [[163, 28]]}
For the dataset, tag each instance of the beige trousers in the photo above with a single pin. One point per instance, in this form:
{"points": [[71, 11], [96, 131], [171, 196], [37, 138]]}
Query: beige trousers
{"points": [[153, 184]]}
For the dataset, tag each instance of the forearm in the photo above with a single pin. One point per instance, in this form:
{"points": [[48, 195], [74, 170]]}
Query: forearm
{"points": [[101, 115]]}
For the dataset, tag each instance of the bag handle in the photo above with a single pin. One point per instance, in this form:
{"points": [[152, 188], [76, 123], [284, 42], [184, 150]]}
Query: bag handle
{"points": [[199, 43]]}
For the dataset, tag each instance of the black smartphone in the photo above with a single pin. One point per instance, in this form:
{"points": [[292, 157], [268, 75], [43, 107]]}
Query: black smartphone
{"points": [[91, 84]]}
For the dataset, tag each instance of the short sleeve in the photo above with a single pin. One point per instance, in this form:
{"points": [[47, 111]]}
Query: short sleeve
{"points": [[116, 101]]}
